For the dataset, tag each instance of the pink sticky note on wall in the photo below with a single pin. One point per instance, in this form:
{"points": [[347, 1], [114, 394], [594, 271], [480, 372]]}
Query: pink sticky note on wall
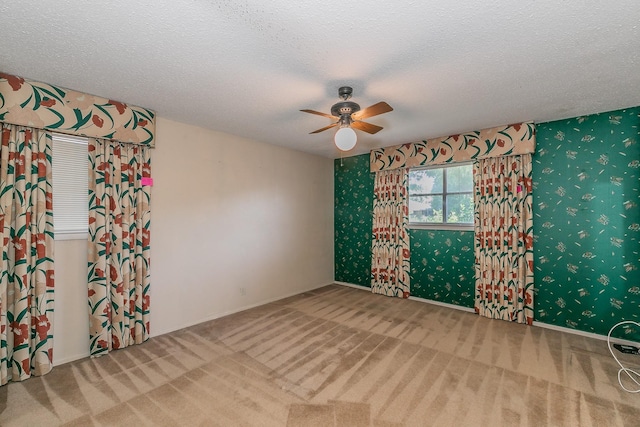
{"points": [[147, 181]]}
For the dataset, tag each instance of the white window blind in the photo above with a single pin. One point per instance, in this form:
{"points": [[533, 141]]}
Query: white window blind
{"points": [[70, 186]]}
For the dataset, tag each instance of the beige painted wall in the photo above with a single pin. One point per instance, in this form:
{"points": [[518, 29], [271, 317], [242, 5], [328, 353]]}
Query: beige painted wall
{"points": [[235, 223]]}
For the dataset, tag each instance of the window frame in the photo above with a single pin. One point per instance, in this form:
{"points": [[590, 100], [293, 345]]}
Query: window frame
{"points": [[441, 225], [69, 234]]}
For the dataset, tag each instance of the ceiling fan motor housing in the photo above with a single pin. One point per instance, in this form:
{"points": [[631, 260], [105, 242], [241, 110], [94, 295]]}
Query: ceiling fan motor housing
{"points": [[346, 108]]}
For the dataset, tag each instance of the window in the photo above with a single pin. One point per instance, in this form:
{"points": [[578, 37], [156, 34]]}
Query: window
{"points": [[441, 196], [70, 187]]}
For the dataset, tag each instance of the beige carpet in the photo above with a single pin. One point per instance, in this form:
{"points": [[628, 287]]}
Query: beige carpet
{"points": [[337, 356]]}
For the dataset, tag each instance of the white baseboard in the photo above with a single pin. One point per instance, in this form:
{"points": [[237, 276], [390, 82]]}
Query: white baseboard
{"points": [[242, 308], [364, 288], [206, 319], [444, 304], [58, 362], [351, 285], [535, 323], [428, 301], [585, 334]]}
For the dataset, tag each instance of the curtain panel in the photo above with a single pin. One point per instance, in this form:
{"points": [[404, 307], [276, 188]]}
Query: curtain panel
{"points": [[44, 106], [503, 226], [119, 245], [26, 279], [495, 142], [390, 247]]}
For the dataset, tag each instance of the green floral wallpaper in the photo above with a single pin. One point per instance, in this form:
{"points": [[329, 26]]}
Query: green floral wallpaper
{"points": [[586, 193], [587, 221], [434, 254], [353, 219], [442, 266]]}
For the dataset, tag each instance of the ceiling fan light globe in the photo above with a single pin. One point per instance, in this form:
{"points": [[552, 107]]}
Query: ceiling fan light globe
{"points": [[345, 138]]}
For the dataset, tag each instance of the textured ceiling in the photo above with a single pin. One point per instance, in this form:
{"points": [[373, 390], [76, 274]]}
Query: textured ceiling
{"points": [[246, 67]]}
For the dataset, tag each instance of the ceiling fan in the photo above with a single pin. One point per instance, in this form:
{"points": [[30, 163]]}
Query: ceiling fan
{"points": [[348, 115]]}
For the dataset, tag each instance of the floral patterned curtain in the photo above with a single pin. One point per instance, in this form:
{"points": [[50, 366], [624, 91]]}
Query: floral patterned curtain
{"points": [[390, 258], [26, 279], [504, 238], [499, 141], [119, 219], [44, 106]]}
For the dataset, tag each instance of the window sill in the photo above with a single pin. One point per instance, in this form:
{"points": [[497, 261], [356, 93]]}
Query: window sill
{"points": [[448, 227]]}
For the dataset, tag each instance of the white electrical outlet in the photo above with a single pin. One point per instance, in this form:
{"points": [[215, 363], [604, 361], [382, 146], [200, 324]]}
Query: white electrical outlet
{"points": [[243, 291]]}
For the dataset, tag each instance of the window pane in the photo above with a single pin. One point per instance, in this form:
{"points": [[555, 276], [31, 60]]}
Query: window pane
{"points": [[430, 188], [460, 208], [425, 208], [425, 181], [460, 179]]}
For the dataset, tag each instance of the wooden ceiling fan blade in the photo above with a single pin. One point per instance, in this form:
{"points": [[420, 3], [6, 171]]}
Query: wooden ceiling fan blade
{"points": [[374, 110], [325, 128], [366, 127], [318, 113]]}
